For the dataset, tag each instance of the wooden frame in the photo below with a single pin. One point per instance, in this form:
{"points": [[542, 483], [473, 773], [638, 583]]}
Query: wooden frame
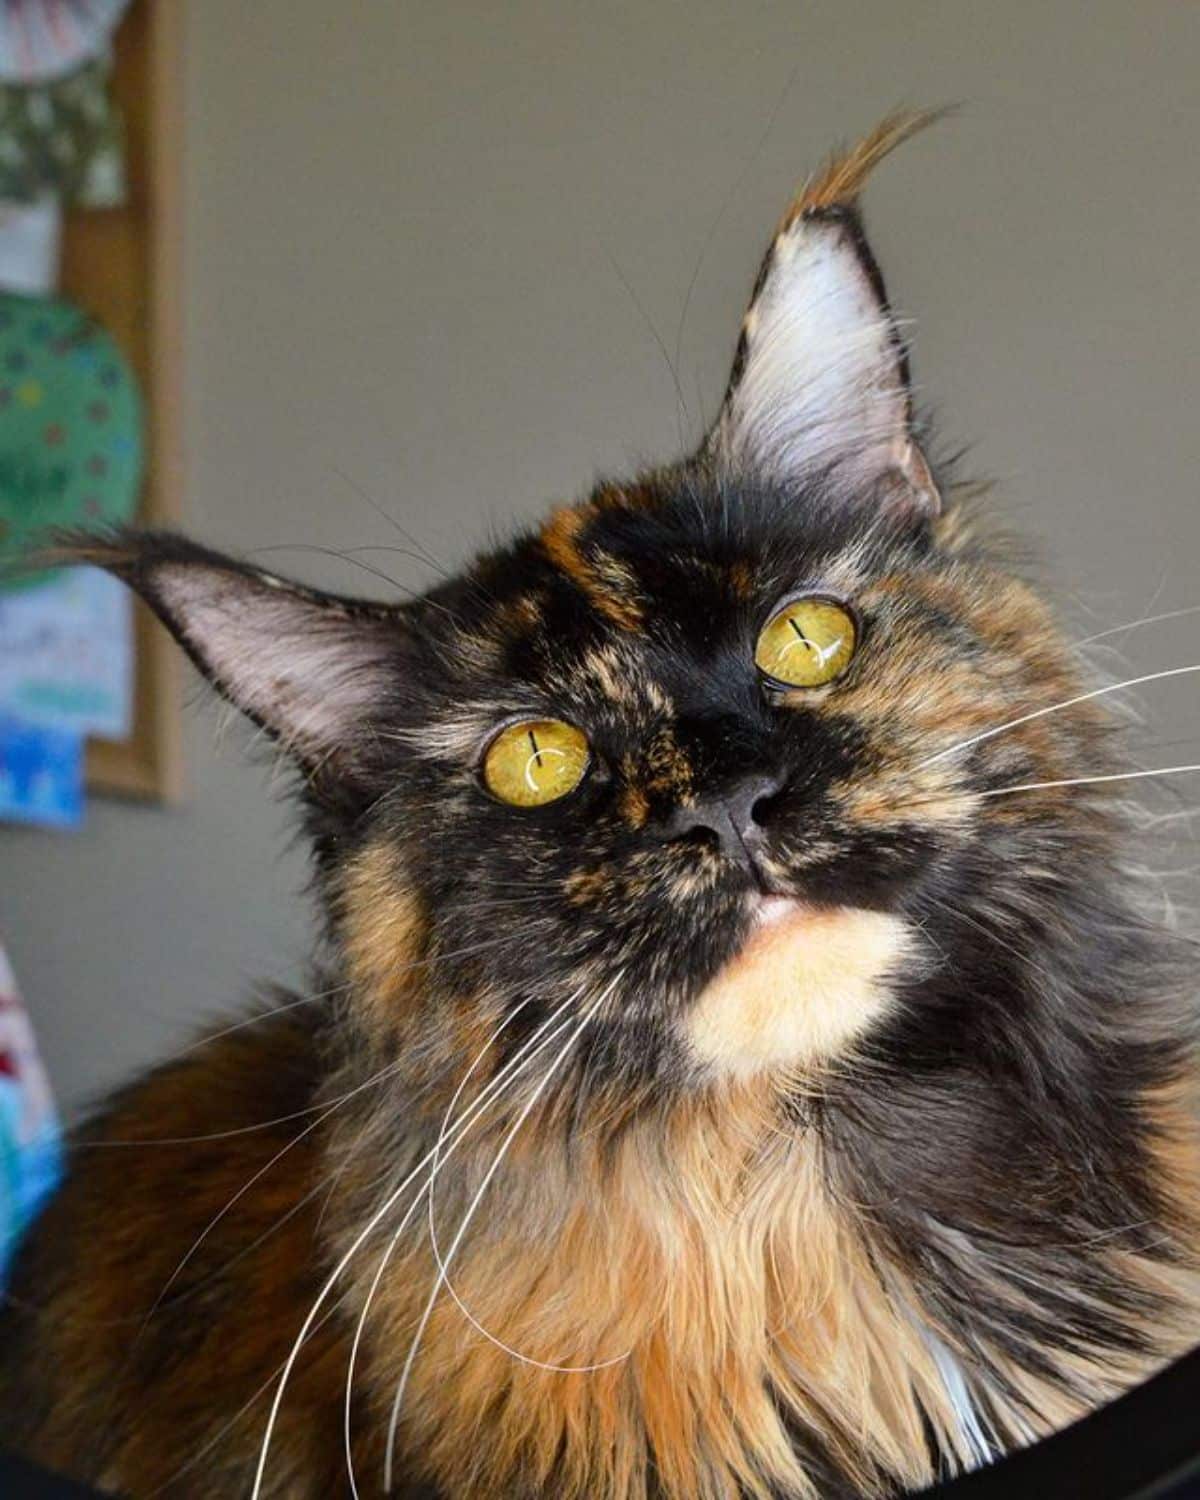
{"points": [[123, 266]]}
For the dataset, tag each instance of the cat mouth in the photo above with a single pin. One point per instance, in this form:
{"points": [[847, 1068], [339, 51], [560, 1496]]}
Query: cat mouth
{"points": [[771, 910]]}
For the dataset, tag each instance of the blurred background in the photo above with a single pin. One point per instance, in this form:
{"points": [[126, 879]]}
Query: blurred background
{"points": [[436, 261]]}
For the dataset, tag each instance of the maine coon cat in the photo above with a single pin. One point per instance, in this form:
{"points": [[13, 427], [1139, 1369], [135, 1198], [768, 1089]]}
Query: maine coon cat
{"points": [[739, 1062]]}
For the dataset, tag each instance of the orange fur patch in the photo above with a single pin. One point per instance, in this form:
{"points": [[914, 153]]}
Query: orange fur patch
{"points": [[713, 1253], [383, 931], [601, 578], [839, 183]]}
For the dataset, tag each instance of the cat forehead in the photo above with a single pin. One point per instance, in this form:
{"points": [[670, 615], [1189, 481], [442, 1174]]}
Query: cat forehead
{"points": [[628, 609], [636, 575], [638, 553]]}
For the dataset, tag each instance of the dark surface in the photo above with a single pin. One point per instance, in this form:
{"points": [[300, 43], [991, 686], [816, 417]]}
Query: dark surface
{"points": [[21, 1481], [1146, 1446]]}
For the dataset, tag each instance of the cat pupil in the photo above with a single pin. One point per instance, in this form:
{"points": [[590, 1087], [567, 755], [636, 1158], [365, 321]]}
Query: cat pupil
{"points": [[538, 759], [804, 640]]}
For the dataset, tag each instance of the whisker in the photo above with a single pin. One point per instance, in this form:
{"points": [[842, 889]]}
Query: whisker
{"points": [[459, 1130], [231, 1423], [217, 1217], [497, 1160], [362, 1321], [1053, 708], [262, 1015], [333, 552], [444, 1273], [1038, 786], [725, 203], [682, 415], [225, 1135], [299, 1114], [475, 1110], [262, 1171], [525, 1359], [422, 553], [538, 897], [194, 1046], [958, 915], [1169, 819], [1170, 614], [193, 1140], [6, 1298]]}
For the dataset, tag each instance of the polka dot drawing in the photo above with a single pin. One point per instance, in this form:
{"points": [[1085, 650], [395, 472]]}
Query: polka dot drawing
{"points": [[71, 442]]}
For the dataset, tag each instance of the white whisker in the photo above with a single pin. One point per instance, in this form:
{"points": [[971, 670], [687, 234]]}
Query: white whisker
{"points": [[1171, 614], [459, 1130], [1053, 708], [299, 1114], [383, 1262], [525, 1359], [262, 1171], [226, 1427], [444, 1274], [1038, 786], [497, 1161], [224, 1135], [262, 1015]]}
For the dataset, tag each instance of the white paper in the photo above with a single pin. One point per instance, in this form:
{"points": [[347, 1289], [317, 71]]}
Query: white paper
{"points": [[66, 654], [29, 237]]}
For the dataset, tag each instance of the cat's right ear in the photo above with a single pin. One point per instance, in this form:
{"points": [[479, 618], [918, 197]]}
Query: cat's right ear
{"points": [[312, 669], [820, 380]]}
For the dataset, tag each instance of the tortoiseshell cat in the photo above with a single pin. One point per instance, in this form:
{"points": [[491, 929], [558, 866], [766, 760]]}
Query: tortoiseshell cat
{"points": [[714, 920]]}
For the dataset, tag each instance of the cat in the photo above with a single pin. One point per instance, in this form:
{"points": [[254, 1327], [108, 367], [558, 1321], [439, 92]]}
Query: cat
{"points": [[739, 1062]]}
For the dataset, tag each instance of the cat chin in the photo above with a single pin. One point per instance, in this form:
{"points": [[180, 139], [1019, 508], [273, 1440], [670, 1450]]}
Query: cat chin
{"points": [[805, 984]]}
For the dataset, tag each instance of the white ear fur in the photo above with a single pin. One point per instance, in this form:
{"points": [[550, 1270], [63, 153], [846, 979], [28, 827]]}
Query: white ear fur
{"points": [[820, 383], [307, 667]]}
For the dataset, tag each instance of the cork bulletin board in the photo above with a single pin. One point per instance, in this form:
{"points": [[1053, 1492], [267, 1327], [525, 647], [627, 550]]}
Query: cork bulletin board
{"points": [[122, 265]]}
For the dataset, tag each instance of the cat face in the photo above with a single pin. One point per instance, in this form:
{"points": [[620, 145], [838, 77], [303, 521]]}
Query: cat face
{"points": [[760, 869], [729, 745]]}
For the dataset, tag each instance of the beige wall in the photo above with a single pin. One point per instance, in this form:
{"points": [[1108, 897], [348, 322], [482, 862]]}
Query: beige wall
{"points": [[405, 227]]}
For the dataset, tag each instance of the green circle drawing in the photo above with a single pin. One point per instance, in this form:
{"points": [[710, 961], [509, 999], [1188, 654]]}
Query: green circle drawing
{"points": [[71, 448]]}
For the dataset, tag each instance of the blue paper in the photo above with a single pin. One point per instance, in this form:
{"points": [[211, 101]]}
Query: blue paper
{"points": [[41, 774]]}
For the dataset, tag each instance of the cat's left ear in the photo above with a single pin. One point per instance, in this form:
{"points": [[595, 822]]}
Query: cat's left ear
{"points": [[315, 671], [820, 382]]}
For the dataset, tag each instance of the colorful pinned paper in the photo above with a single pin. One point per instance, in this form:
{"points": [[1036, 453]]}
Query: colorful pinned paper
{"points": [[71, 445]]}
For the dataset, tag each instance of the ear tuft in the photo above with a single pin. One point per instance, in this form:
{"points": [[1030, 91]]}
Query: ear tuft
{"points": [[820, 382], [839, 183]]}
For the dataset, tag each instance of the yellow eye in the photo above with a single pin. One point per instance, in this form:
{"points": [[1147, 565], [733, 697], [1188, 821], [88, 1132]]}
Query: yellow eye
{"points": [[535, 762], [806, 644]]}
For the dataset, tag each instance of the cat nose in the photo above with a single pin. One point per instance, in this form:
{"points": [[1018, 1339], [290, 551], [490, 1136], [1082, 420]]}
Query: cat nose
{"points": [[735, 813]]}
